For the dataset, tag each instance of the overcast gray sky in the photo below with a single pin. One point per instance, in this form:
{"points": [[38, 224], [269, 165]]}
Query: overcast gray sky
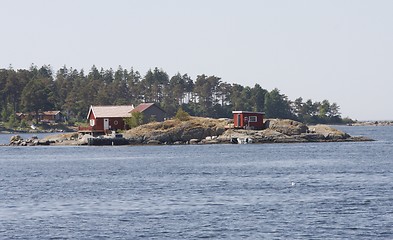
{"points": [[340, 50]]}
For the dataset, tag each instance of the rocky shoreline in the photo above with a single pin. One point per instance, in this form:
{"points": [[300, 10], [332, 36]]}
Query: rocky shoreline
{"points": [[64, 139], [318, 133], [208, 131], [373, 123]]}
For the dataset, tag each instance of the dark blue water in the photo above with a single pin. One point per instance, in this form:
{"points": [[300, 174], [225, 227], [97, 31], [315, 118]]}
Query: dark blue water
{"points": [[266, 191]]}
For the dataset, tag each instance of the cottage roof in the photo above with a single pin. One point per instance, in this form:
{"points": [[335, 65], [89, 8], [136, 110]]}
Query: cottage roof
{"points": [[249, 112], [51, 112], [143, 106], [110, 111]]}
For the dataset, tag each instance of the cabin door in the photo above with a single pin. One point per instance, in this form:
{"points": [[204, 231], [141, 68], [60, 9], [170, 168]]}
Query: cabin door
{"points": [[239, 120], [106, 123]]}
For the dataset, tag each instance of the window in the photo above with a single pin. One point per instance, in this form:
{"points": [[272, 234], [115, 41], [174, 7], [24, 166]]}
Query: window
{"points": [[253, 119], [92, 122]]}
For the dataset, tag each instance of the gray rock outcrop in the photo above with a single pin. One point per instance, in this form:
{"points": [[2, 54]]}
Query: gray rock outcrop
{"points": [[61, 139], [289, 131], [328, 132], [176, 131], [286, 126]]}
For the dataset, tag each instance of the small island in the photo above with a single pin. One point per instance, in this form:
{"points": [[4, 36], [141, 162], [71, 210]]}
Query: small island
{"points": [[199, 130], [143, 109]]}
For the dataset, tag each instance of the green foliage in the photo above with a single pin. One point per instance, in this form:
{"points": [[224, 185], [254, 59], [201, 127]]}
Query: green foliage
{"points": [[317, 112], [258, 98], [277, 105], [37, 95], [23, 124], [5, 114], [135, 120], [182, 115], [72, 92], [347, 121], [206, 88], [12, 121]]}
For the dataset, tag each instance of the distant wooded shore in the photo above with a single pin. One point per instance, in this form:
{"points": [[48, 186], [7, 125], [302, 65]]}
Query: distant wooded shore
{"points": [[372, 123]]}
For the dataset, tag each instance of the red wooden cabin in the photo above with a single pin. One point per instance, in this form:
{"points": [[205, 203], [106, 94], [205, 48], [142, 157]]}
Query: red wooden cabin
{"points": [[104, 119], [248, 120]]}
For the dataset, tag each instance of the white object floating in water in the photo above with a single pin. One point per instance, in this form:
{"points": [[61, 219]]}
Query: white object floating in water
{"points": [[292, 184]]}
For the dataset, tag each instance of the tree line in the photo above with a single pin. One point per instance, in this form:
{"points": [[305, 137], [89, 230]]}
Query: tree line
{"points": [[72, 91]]}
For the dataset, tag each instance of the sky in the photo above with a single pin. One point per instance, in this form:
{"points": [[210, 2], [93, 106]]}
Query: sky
{"points": [[339, 50]]}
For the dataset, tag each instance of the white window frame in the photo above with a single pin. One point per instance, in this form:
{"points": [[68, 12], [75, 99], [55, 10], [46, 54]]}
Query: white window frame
{"points": [[253, 119], [92, 122]]}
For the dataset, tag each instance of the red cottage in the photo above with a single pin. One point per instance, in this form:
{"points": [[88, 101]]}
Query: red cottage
{"points": [[104, 119], [248, 120]]}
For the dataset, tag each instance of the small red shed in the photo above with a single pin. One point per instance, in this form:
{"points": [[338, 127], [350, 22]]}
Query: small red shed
{"points": [[248, 120]]}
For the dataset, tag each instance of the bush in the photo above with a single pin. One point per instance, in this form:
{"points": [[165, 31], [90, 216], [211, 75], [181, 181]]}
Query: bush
{"points": [[182, 115], [23, 124], [12, 121], [135, 120]]}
